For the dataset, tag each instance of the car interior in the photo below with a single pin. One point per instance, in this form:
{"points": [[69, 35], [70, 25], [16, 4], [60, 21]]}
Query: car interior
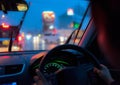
{"points": [[71, 63]]}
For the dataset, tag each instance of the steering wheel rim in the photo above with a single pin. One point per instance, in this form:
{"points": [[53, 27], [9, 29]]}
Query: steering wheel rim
{"points": [[87, 54], [74, 71]]}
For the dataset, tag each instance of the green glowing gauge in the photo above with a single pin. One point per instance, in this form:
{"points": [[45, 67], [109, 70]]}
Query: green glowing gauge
{"points": [[52, 68], [62, 62]]}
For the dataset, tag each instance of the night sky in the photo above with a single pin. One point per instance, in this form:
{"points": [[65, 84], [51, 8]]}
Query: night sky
{"points": [[33, 19]]}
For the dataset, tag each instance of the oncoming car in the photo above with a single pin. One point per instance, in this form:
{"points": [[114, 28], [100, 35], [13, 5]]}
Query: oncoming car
{"points": [[64, 58]]}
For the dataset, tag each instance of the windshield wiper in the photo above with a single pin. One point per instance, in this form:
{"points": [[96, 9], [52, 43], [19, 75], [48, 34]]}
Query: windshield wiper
{"points": [[69, 38], [78, 27]]}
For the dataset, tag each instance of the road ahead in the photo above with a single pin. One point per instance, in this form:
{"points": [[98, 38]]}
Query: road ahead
{"points": [[38, 44]]}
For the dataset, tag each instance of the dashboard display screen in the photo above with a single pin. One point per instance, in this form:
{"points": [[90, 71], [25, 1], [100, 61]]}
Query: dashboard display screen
{"points": [[11, 83]]}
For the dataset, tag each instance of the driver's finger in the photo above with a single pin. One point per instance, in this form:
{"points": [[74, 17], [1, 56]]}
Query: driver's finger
{"points": [[103, 66], [36, 78], [96, 70]]}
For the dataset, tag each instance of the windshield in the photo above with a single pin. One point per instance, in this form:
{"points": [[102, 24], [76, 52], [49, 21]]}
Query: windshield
{"points": [[47, 23]]}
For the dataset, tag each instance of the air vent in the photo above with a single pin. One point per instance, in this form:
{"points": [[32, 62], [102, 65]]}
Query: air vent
{"points": [[12, 69]]}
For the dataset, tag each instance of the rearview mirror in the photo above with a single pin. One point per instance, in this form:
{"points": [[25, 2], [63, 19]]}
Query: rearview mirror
{"points": [[13, 5]]}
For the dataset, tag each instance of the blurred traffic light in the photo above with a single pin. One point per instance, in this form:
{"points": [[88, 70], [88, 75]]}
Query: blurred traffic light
{"points": [[76, 25], [19, 38]]}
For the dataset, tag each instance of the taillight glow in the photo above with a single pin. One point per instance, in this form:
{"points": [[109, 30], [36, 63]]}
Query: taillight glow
{"points": [[19, 38], [5, 26]]}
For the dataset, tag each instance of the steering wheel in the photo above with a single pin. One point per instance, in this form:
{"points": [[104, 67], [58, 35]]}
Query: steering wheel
{"points": [[72, 75]]}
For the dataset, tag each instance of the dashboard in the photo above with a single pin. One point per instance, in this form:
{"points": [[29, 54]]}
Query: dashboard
{"points": [[18, 66], [14, 68]]}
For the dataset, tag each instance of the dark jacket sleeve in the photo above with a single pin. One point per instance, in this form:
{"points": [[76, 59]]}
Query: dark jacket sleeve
{"points": [[115, 83]]}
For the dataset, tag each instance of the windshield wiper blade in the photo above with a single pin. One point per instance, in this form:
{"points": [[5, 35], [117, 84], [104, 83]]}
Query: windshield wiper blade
{"points": [[81, 22], [68, 40]]}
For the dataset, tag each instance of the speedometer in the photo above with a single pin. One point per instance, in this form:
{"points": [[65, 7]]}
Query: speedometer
{"points": [[52, 68]]}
